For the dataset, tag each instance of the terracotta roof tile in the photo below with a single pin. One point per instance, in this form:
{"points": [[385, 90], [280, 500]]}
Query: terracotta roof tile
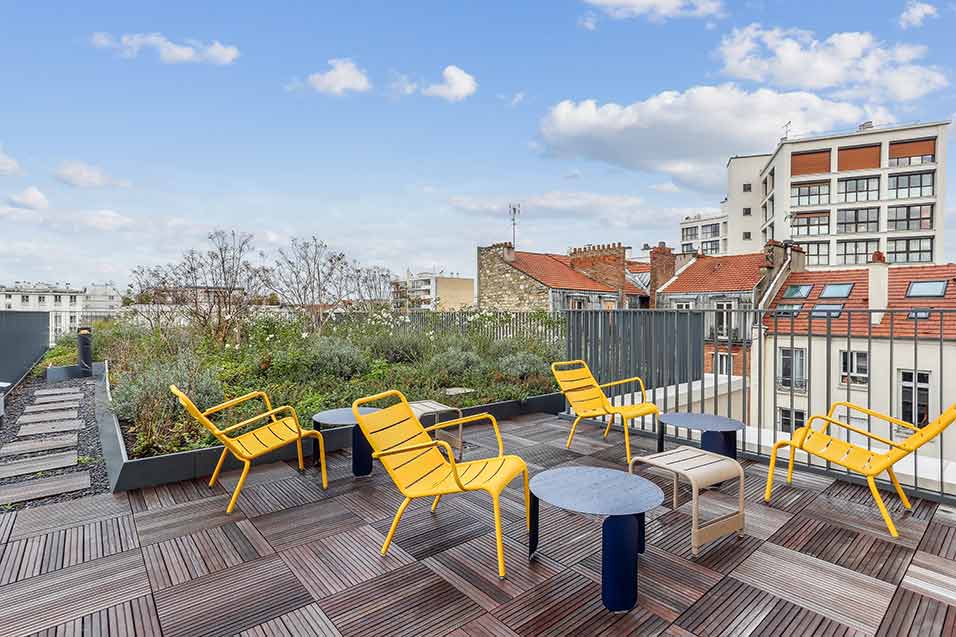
{"points": [[732, 273], [638, 266], [555, 271]]}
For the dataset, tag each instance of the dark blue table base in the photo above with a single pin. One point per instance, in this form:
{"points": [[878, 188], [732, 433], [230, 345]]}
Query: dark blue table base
{"points": [[722, 442], [623, 538], [361, 453]]}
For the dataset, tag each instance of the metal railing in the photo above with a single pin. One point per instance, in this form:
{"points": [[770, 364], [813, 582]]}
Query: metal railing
{"points": [[903, 365]]}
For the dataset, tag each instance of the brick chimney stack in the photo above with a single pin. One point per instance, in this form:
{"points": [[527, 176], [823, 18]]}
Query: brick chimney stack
{"points": [[663, 266], [605, 263]]}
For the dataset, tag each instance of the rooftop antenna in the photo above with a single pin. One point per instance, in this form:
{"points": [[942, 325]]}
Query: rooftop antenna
{"points": [[514, 209], [786, 129]]}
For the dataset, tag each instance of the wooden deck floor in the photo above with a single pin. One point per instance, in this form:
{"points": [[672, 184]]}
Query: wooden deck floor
{"points": [[296, 560]]}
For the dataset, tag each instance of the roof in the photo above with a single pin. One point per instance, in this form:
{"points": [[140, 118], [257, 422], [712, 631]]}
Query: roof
{"points": [[638, 266], [732, 273], [858, 300], [555, 271]]}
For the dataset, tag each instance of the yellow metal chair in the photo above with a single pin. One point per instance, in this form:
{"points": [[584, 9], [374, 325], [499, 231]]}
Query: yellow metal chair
{"points": [[419, 470], [246, 447], [819, 443], [588, 400]]}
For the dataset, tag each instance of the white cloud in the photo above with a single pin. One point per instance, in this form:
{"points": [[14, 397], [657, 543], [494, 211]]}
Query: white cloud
{"points": [[30, 199], [403, 85], [344, 76], [8, 165], [588, 22], [105, 220], [854, 62], [617, 210], [130, 44], [82, 175], [658, 9], [456, 85], [667, 186], [688, 135], [915, 13]]}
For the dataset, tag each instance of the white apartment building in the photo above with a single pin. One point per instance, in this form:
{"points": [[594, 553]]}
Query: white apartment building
{"points": [[66, 305], [433, 291], [842, 196], [704, 233]]}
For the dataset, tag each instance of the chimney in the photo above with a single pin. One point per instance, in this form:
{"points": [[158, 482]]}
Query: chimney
{"points": [[878, 280], [605, 263], [663, 266], [504, 250], [798, 258]]}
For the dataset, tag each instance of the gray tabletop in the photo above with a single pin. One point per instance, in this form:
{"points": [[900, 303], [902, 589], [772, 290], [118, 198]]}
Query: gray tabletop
{"points": [[704, 422], [342, 416], [596, 491]]}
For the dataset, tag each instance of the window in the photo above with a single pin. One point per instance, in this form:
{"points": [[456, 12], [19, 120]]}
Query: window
{"points": [[915, 160], [724, 364], [804, 225], [57, 299], [683, 305], [788, 309], [914, 397], [577, 303], [792, 368], [710, 247], [852, 252], [912, 185], [827, 310], [747, 188], [926, 288], [817, 253], [24, 298], [797, 291], [790, 419], [688, 234], [723, 319], [810, 194], [746, 236], [918, 314], [41, 299], [710, 231], [909, 217], [854, 367], [72, 299], [836, 290], [72, 319], [909, 250], [687, 247], [858, 220], [858, 189], [747, 212]]}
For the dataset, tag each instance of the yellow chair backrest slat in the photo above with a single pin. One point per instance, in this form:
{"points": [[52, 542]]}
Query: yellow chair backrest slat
{"points": [[931, 430], [194, 411], [579, 386]]}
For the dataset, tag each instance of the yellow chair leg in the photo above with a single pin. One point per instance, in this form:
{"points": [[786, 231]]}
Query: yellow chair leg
{"points": [[435, 503], [498, 539], [773, 463], [627, 439], [391, 530], [527, 500], [298, 445], [879, 502], [574, 426], [793, 452], [242, 481], [215, 473], [610, 422], [899, 489], [325, 477]]}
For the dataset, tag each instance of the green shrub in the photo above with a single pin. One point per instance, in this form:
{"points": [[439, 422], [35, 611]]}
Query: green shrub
{"points": [[338, 357], [454, 366], [398, 348], [521, 366]]}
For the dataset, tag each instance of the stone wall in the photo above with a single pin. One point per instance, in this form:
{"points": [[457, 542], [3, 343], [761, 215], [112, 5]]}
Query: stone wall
{"points": [[503, 287], [604, 263]]}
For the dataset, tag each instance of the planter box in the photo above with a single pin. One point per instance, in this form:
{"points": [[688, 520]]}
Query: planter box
{"points": [[125, 473]]}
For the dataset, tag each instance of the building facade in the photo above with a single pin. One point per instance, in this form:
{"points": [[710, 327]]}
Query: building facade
{"points": [[65, 304], [432, 291], [841, 196]]}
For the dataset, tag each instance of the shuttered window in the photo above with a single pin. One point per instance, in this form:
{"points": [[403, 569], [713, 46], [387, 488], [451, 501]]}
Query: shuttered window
{"points": [[859, 158], [810, 163]]}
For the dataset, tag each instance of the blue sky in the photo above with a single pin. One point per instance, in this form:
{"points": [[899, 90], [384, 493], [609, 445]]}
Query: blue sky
{"points": [[398, 132]]}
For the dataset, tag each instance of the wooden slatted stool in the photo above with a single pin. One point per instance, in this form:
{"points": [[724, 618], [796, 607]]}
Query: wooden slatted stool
{"points": [[701, 469], [422, 408]]}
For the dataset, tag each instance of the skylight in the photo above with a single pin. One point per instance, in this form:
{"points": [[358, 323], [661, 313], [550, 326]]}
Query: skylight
{"points": [[824, 310], [788, 309], [918, 314], [926, 288], [797, 291], [836, 290]]}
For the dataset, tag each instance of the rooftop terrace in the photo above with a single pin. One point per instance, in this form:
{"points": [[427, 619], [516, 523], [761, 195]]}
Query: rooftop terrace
{"points": [[296, 560]]}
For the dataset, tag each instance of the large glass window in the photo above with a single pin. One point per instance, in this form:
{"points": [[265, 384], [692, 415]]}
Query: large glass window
{"points": [[813, 194], [914, 397], [854, 367], [912, 185], [710, 247], [919, 250], [858, 189], [688, 234], [858, 220], [854, 252], [687, 247], [915, 160], [804, 225], [792, 368], [817, 253], [910, 217], [710, 230]]}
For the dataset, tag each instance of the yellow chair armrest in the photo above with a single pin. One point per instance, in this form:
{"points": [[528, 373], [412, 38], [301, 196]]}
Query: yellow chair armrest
{"points": [[238, 401], [870, 412], [472, 419], [426, 445], [271, 413], [833, 421], [638, 379]]}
